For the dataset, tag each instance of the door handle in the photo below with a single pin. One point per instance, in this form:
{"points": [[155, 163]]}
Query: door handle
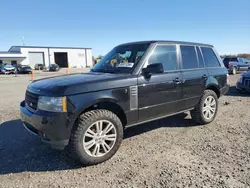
{"points": [[177, 80], [204, 76]]}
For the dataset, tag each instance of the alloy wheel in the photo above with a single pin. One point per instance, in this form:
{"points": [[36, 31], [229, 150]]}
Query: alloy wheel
{"points": [[99, 138], [209, 107]]}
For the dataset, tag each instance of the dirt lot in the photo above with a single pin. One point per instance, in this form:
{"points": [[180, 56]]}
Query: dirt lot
{"points": [[173, 152]]}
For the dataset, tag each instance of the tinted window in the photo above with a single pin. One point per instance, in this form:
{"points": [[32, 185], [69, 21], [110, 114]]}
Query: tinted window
{"points": [[189, 58], [210, 57], [165, 54], [200, 59], [241, 60], [227, 59]]}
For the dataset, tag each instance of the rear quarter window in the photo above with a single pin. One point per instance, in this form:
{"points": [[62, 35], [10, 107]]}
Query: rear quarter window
{"points": [[189, 58], [210, 58]]}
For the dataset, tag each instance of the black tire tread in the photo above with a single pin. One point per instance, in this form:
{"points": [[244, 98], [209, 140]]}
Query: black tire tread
{"points": [[196, 112]]}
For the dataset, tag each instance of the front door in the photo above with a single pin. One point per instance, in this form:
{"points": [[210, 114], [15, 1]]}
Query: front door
{"points": [[194, 74], [243, 64], [160, 94]]}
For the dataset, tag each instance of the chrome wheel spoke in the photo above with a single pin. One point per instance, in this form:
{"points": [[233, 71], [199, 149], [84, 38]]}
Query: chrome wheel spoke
{"points": [[110, 137], [105, 147], [206, 113], [90, 133], [212, 110], [99, 126], [89, 144], [213, 103], [108, 128], [96, 151]]}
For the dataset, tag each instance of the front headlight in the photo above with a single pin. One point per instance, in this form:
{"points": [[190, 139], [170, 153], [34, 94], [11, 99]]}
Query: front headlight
{"points": [[52, 104], [241, 79]]}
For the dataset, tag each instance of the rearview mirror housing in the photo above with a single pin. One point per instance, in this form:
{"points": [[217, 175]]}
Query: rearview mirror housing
{"points": [[155, 68]]}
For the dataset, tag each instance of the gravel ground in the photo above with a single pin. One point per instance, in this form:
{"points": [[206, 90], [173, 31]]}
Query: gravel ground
{"points": [[172, 152]]}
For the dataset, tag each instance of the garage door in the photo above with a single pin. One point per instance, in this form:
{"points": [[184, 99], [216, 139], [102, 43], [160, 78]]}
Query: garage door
{"points": [[36, 58]]}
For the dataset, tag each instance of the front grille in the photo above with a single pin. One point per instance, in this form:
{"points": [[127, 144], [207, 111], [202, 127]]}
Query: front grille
{"points": [[31, 100], [246, 82]]}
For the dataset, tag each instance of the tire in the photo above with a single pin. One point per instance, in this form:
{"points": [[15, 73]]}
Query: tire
{"points": [[85, 126], [234, 71], [197, 113], [240, 91]]}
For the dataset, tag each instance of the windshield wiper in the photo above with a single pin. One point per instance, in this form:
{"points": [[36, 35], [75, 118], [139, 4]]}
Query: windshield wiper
{"points": [[104, 71]]}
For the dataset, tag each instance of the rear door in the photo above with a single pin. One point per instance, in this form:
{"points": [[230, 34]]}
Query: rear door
{"points": [[194, 75], [243, 64], [160, 94], [216, 71]]}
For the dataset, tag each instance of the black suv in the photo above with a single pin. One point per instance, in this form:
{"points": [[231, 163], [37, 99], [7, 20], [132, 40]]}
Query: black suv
{"points": [[235, 64], [134, 83]]}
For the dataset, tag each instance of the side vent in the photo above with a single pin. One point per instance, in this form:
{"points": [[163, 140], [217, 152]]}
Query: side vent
{"points": [[133, 97]]}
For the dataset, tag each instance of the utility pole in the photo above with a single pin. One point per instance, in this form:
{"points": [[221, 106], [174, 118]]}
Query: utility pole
{"points": [[22, 40]]}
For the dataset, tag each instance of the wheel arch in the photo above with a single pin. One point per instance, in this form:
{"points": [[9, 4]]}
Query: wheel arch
{"points": [[214, 88], [107, 104]]}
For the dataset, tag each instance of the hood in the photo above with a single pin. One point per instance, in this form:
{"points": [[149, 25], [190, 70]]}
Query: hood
{"points": [[9, 68], [247, 74], [80, 83]]}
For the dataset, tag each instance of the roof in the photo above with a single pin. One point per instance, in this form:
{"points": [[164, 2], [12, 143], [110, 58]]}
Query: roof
{"points": [[3, 52], [169, 41], [48, 47]]}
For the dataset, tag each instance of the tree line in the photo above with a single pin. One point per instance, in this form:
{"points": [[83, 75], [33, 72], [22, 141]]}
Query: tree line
{"points": [[244, 55]]}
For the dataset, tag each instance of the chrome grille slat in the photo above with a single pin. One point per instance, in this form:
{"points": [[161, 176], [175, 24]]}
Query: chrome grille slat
{"points": [[31, 100], [246, 82]]}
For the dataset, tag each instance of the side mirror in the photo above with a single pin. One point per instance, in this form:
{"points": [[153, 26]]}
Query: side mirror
{"points": [[155, 68]]}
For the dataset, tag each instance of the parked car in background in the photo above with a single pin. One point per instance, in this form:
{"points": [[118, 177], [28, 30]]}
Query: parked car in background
{"points": [[133, 84], [24, 69], [243, 85], [39, 66], [8, 69], [235, 64], [52, 68]]}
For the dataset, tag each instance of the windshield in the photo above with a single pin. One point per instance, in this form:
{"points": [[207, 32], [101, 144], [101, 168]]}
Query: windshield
{"points": [[25, 66], [121, 59], [9, 66]]}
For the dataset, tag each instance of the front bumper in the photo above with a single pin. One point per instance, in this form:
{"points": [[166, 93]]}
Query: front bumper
{"points": [[53, 128], [8, 71], [241, 87]]}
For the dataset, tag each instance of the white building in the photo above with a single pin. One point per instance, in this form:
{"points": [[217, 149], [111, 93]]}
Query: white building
{"points": [[63, 56]]}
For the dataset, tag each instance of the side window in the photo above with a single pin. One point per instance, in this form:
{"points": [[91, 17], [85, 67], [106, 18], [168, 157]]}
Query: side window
{"points": [[240, 60], [210, 57], [189, 58], [165, 54], [200, 59]]}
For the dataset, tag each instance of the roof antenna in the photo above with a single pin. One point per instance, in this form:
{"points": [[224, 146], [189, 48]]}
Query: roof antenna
{"points": [[22, 40]]}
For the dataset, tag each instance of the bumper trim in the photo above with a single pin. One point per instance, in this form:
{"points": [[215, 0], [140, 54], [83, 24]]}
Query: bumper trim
{"points": [[29, 130], [241, 87]]}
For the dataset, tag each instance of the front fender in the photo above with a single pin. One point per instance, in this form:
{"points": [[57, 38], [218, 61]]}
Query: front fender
{"points": [[83, 101]]}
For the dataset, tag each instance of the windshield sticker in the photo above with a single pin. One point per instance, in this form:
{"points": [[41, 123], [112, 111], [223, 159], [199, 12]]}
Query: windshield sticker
{"points": [[126, 65]]}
